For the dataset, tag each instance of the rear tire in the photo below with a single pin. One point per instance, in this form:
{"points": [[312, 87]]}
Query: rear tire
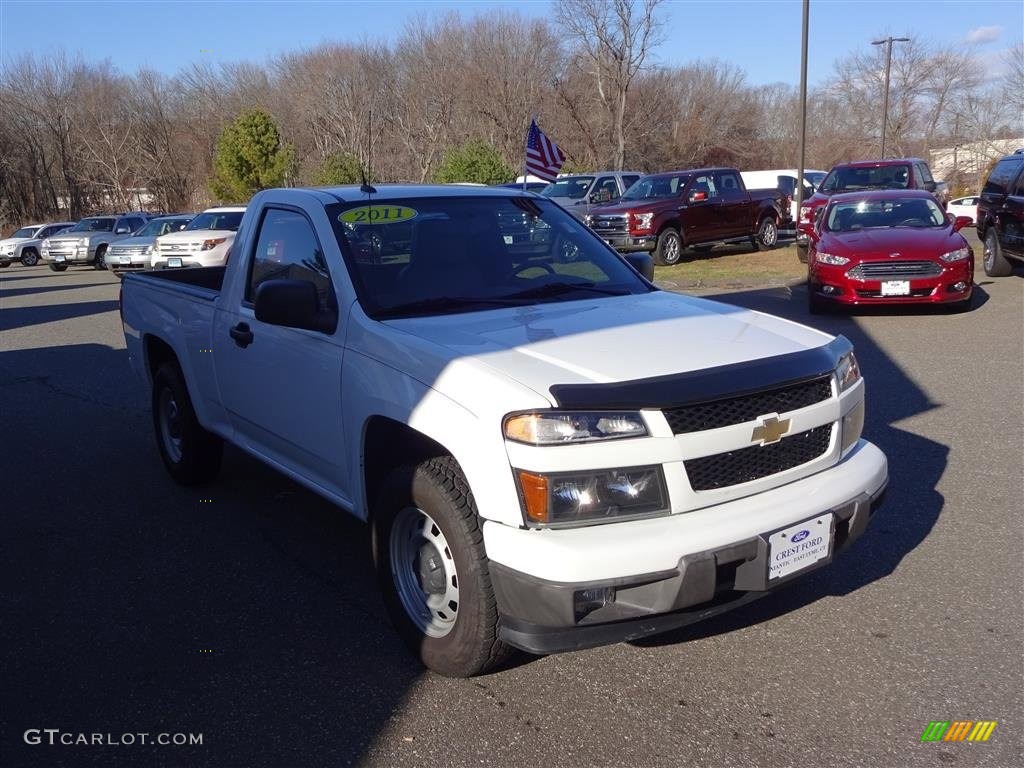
{"points": [[4, 264], [191, 454], [429, 554], [29, 257], [996, 265], [59, 267], [100, 262], [669, 250], [767, 234], [801, 253]]}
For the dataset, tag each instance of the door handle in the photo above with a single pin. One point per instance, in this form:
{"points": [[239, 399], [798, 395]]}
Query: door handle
{"points": [[242, 334]]}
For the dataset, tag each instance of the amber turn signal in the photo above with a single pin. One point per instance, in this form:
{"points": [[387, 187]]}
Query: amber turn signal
{"points": [[535, 496]]}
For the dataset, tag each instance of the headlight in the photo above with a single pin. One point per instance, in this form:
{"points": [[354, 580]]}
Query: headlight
{"points": [[148, 251], [957, 255], [209, 245], [805, 213], [560, 427], [600, 495], [853, 426], [828, 258], [847, 372], [46, 243], [588, 219]]}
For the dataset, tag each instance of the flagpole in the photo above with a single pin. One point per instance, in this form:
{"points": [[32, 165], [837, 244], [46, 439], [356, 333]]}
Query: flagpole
{"points": [[524, 151]]}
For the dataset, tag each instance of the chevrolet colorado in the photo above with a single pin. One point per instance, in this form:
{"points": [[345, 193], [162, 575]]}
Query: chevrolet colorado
{"points": [[485, 382]]}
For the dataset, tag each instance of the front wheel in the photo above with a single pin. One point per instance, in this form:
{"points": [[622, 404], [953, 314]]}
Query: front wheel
{"points": [[29, 257], [100, 262], [669, 249], [767, 234], [429, 554], [59, 267], [996, 265], [191, 454]]}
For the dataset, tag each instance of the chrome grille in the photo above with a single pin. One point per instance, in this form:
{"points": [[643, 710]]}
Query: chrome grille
{"points": [[610, 225], [175, 248], [756, 461], [882, 270], [128, 250], [736, 410]]}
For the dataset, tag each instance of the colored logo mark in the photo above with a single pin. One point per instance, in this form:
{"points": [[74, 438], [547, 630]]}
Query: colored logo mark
{"points": [[958, 730]]}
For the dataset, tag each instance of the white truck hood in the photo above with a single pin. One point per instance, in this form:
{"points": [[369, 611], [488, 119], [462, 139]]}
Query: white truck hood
{"points": [[14, 241], [609, 339], [196, 235]]}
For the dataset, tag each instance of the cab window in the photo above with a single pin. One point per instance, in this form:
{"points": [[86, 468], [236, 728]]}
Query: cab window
{"points": [[287, 249]]}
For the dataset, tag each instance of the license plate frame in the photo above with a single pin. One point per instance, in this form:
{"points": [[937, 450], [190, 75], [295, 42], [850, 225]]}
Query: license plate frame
{"points": [[895, 288], [174, 262], [124, 259], [796, 548], [58, 257]]}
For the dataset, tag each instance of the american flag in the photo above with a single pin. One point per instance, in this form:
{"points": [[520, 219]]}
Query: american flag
{"points": [[543, 157]]}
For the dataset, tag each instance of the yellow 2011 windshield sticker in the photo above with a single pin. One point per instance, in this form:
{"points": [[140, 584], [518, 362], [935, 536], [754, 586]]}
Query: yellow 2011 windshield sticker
{"points": [[377, 214]]}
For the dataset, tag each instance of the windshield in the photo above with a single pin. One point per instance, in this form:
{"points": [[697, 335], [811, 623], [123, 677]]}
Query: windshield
{"points": [[225, 220], [158, 227], [853, 215], [26, 232], [573, 187], [440, 256], [853, 179], [654, 187], [94, 225], [815, 178]]}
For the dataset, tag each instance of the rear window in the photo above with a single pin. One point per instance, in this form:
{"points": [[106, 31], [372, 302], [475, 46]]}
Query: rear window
{"points": [[854, 179], [573, 187]]}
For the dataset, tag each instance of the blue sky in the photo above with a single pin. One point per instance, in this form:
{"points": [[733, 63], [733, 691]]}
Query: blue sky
{"points": [[761, 36]]}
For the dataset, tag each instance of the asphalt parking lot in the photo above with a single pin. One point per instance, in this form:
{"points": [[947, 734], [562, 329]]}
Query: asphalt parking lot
{"points": [[246, 610]]}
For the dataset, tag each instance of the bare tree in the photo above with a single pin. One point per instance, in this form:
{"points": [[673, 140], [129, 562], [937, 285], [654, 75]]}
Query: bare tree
{"points": [[615, 37]]}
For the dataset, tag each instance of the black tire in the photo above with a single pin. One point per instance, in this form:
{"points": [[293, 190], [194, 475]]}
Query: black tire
{"points": [[995, 264], [191, 454], [767, 234], [29, 257], [438, 488], [669, 250], [59, 267], [4, 264], [100, 261], [801, 253], [815, 304]]}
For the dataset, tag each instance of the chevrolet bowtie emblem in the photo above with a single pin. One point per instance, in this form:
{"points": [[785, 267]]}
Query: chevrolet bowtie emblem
{"points": [[770, 430]]}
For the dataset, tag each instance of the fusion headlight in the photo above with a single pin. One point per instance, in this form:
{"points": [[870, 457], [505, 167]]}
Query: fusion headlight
{"points": [[847, 372], [957, 255], [566, 498], [561, 427], [828, 258]]}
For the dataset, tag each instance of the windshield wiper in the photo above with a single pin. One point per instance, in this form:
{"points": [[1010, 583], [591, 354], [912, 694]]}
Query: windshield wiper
{"points": [[439, 303], [561, 288]]}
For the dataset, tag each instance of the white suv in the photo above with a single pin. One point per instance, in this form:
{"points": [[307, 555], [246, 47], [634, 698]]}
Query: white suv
{"points": [[205, 242]]}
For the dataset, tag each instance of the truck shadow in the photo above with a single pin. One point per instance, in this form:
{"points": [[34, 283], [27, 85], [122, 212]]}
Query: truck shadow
{"points": [[23, 317], [916, 464], [245, 610]]}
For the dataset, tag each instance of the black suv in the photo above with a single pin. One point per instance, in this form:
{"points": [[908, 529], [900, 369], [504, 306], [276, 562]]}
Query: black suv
{"points": [[1001, 215]]}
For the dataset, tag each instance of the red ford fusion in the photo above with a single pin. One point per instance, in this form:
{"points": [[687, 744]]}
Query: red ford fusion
{"points": [[888, 247]]}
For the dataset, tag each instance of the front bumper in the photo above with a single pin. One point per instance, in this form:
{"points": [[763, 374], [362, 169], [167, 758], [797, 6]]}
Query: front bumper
{"points": [[700, 563], [628, 243], [114, 263], [65, 255], [927, 290]]}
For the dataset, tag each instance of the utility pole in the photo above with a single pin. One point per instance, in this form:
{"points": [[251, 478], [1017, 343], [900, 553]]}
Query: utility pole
{"points": [[888, 64], [803, 113]]}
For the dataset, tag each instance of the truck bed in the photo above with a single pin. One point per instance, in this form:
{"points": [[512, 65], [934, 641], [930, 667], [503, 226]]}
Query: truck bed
{"points": [[209, 278]]}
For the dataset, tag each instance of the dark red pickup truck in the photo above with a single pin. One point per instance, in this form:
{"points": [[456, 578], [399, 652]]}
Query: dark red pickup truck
{"points": [[862, 176], [666, 212]]}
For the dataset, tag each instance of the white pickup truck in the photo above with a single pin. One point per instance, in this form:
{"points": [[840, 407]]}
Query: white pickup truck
{"points": [[552, 453]]}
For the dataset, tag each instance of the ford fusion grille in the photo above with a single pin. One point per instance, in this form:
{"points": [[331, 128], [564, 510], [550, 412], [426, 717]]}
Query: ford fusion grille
{"points": [[876, 270], [746, 464], [737, 410], [128, 250], [609, 225]]}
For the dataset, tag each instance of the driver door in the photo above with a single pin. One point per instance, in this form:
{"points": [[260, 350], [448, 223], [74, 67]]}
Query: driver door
{"points": [[702, 217]]}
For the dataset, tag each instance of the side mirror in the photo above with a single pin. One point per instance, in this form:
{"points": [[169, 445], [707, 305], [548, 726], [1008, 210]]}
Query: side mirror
{"points": [[122, 231], [929, 186], [293, 304], [697, 196], [962, 221], [641, 261]]}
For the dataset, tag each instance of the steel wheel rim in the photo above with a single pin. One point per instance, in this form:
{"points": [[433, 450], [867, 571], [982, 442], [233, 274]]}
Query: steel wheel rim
{"points": [[672, 249], [768, 232], [423, 571], [170, 425], [29, 259], [990, 251]]}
